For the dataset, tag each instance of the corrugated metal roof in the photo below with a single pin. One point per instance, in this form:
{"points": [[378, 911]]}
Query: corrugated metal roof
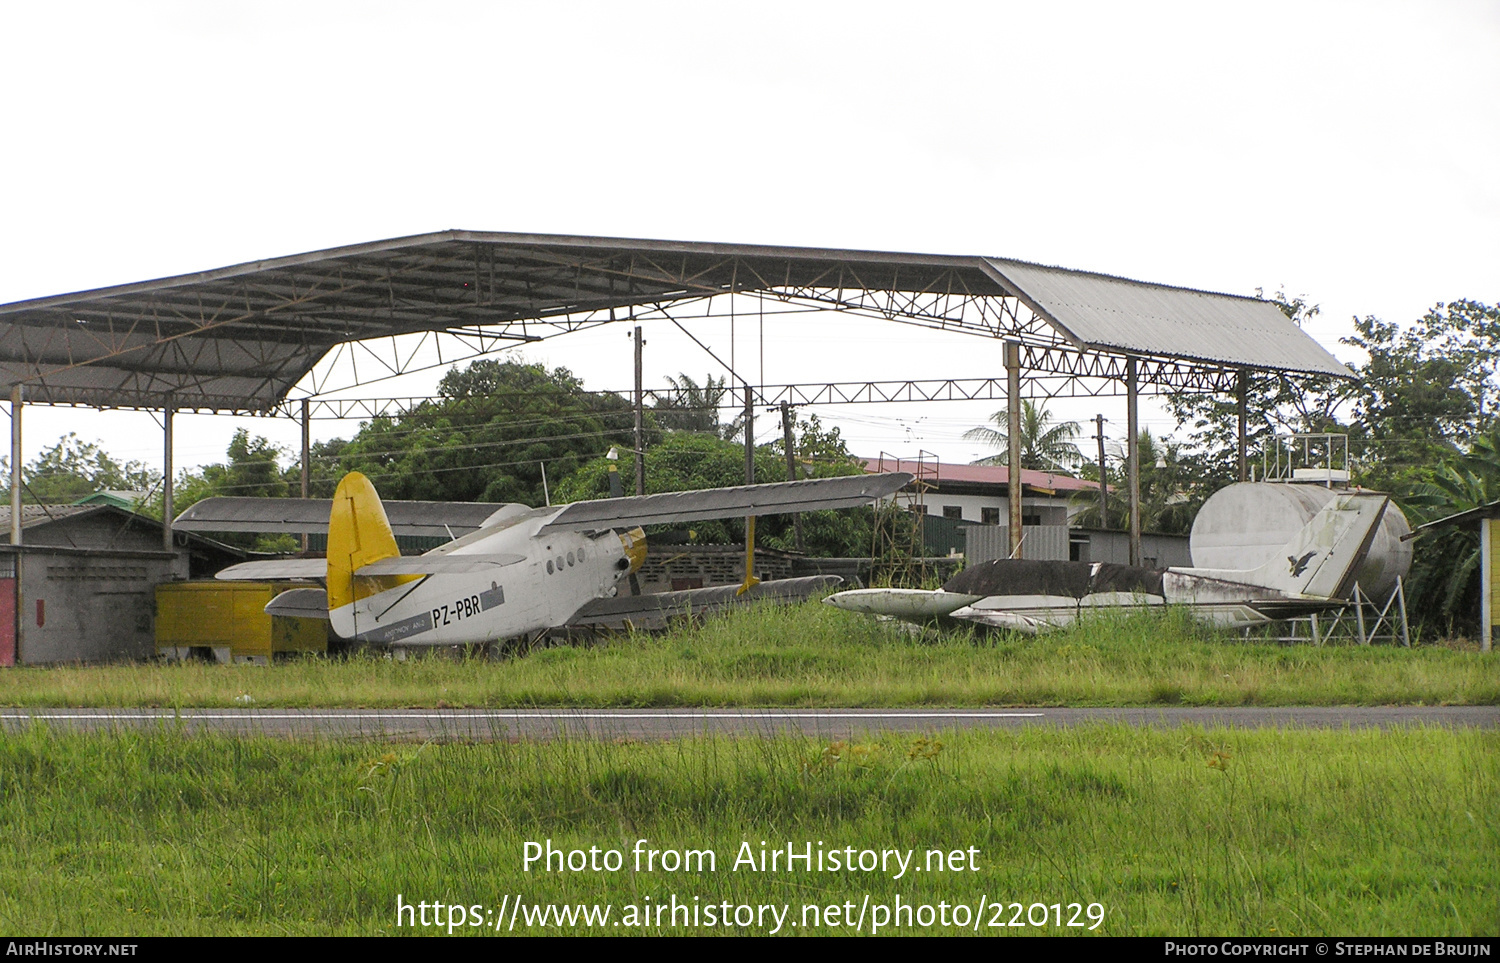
{"points": [[42, 514], [981, 474], [240, 337], [1117, 314]]}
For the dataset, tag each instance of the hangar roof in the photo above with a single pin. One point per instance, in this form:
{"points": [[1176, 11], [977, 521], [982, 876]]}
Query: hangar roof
{"points": [[238, 338]]}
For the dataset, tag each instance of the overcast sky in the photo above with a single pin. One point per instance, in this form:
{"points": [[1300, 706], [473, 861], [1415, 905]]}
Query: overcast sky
{"points": [[1346, 152]]}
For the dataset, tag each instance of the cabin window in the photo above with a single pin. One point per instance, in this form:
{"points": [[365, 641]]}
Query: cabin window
{"points": [[580, 555], [570, 560], [549, 566], [559, 563]]}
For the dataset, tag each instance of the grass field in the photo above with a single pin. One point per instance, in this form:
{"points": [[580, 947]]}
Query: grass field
{"points": [[1171, 832], [814, 655]]}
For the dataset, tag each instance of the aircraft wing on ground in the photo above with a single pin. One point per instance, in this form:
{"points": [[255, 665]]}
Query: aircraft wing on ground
{"points": [[297, 515], [653, 611], [775, 499]]}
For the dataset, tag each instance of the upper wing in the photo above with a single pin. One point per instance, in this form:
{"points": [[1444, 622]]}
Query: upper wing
{"points": [[296, 515], [775, 499]]}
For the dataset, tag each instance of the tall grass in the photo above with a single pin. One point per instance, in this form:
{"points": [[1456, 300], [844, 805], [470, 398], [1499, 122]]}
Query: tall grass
{"points": [[815, 655], [1185, 831]]}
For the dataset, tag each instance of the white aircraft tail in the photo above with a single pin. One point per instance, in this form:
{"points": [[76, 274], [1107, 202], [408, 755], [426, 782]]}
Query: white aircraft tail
{"points": [[1323, 559]]}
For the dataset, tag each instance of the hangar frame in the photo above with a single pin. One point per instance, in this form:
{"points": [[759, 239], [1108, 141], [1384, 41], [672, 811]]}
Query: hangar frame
{"points": [[268, 337]]}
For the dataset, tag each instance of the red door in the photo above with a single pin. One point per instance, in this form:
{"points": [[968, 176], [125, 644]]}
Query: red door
{"points": [[8, 621]]}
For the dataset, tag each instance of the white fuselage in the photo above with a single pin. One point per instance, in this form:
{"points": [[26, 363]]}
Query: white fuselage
{"points": [[560, 571]]}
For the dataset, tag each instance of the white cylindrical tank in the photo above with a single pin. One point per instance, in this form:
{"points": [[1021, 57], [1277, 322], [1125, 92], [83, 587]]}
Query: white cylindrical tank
{"points": [[1248, 524]]}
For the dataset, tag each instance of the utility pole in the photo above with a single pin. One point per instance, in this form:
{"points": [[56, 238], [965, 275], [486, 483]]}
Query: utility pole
{"points": [[791, 465], [640, 420], [749, 437], [1242, 390], [1103, 474]]}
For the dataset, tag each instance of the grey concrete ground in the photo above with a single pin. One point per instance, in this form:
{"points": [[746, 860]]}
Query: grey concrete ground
{"points": [[511, 724]]}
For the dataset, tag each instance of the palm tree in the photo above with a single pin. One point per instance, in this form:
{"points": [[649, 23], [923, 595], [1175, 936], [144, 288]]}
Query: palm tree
{"points": [[1443, 587], [698, 409], [1170, 498], [1044, 446]]}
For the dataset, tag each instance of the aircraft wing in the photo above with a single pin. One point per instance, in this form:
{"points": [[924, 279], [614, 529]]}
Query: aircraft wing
{"points": [[775, 499], [298, 515], [438, 564], [275, 569], [653, 611]]}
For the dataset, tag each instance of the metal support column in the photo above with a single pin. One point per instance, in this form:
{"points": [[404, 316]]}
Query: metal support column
{"points": [[15, 468], [1013, 484], [640, 420], [166, 478], [1241, 393], [1133, 458], [306, 459]]}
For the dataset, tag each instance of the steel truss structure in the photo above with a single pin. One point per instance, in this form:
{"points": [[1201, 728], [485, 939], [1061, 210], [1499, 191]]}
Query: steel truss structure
{"points": [[273, 336], [248, 337]]}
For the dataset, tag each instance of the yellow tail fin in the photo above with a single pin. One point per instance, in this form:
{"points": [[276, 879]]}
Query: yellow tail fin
{"points": [[358, 534]]}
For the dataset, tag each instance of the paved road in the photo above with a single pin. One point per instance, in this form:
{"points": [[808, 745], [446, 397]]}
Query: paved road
{"points": [[511, 724]]}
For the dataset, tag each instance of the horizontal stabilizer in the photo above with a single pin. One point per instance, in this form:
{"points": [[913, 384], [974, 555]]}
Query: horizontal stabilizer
{"points": [[310, 515], [308, 603], [276, 569], [438, 564], [776, 499], [653, 611]]}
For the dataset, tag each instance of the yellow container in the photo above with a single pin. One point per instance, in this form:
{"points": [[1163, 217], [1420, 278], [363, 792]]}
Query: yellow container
{"points": [[230, 619]]}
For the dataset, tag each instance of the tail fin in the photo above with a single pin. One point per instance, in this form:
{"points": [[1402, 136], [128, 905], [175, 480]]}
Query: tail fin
{"points": [[1323, 559], [358, 534]]}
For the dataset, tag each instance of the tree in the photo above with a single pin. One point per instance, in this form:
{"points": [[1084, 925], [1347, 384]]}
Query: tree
{"points": [[692, 461], [1045, 446], [698, 408], [1443, 586], [1276, 404], [1422, 394], [72, 469], [1171, 492], [486, 436], [252, 469]]}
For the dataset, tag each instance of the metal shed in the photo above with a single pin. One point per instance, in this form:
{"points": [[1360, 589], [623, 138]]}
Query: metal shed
{"points": [[254, 337]]}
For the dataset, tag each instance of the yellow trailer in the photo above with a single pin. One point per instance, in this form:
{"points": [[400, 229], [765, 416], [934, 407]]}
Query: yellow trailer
{"points": [[229, 619]]}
